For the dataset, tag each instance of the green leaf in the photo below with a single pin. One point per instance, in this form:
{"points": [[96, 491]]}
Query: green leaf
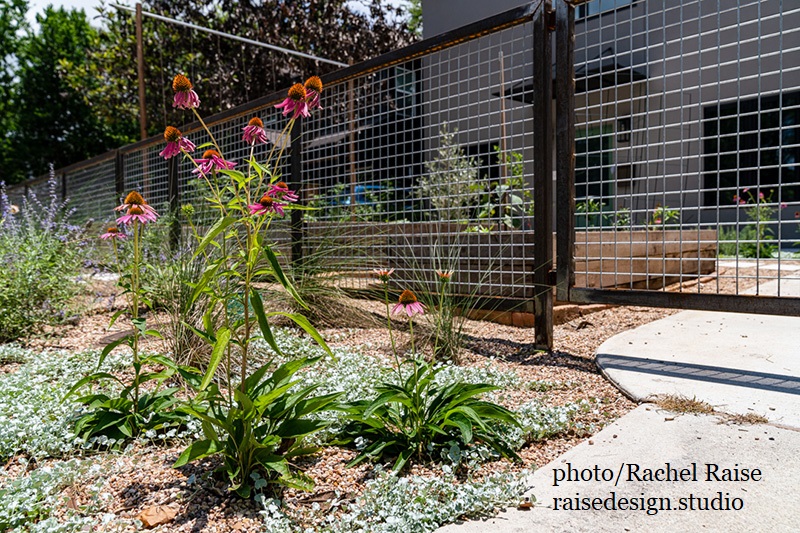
{"points": [[223, 338], [198, 450], [303, 322], [235, 175], [207, 276], [110, 346], [278, 271], [91, 377], [263, 324], [115, 316], [212, 233]]}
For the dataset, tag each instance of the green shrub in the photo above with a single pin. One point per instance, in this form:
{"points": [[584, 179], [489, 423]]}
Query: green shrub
{"points": [[40, 258]]}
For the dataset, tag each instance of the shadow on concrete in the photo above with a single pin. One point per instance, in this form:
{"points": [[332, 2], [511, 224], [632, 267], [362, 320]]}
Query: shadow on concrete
{"points": [[713, 374]]}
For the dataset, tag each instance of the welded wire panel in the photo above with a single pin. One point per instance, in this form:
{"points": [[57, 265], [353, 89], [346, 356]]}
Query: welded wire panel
{"points": [[426, 165], [91, 193], [688, 146]]}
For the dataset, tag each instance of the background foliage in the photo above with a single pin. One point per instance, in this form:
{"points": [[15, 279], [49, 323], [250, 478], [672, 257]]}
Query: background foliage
{"points": [[68, 89]]}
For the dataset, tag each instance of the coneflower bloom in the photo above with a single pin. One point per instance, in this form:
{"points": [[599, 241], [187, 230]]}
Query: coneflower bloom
{"points": [[295, 103], [175, 143], [267, 204], [113, 233], [185, 97], [444, 275], [136, 214], [313, 86], [383, 275], [280, 191], [408, 304], [254, 132], [134, 199], [211, 160]]}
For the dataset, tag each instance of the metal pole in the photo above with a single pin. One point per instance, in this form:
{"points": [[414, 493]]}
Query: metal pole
{"points": [[296, 171], [351, 118], [565, 149], [63, 187], [231, 36], [119, 174], [140, 73], [543, 179]]}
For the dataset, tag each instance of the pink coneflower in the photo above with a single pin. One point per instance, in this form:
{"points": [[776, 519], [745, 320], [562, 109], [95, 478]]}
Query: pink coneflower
{"points": [[175, 143], [783, 205], [134, 214], [296, 102], [761, 196], [409, 304], [210, 161], [267, 204], [745, 189], [185, 97], [444, 275], [113, 233], [254, 132], [383, 275], [280, 191], [313, 86], [134, 199]]}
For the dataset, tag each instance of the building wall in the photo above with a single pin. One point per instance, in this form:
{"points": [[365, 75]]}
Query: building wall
{"points": [[659, 69]]}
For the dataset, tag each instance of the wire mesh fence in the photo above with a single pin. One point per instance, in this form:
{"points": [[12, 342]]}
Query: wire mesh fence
{"points": [[687, 146], [686, 155]]}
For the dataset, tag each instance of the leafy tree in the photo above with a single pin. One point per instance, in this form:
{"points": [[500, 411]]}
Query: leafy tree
{"points": [[227, 72], [54, 124], [12, 23]]}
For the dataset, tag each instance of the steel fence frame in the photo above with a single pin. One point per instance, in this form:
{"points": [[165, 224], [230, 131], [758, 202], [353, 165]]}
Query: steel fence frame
{"points": [[458, 77]]}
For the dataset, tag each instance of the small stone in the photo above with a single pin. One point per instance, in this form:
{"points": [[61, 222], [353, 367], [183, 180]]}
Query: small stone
{"points": [[669, 418], [591, 442], [157, 515]]}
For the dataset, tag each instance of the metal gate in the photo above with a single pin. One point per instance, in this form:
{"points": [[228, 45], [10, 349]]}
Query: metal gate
{"points": [[686, 172]]}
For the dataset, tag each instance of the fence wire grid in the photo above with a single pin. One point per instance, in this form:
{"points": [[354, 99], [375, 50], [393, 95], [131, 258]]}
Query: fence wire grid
{"points": [[686, 156]]}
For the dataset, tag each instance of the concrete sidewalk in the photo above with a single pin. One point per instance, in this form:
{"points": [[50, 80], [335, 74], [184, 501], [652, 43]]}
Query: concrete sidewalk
{"points": [[657, 460], [636, 447]]}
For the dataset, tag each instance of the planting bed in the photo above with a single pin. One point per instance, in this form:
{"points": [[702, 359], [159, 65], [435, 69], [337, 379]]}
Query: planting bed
{"points": [[50, 482]]}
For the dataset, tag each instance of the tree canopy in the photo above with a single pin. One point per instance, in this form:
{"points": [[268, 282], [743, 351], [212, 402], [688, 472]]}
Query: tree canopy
{"points": [[69, 91]]}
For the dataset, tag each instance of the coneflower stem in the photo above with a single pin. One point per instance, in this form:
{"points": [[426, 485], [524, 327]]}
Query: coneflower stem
{"points": [[207, 131], [389, 324]]}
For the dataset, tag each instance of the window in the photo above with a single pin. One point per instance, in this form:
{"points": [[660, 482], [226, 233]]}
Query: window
{"points": [[406, 91], [752, 143], [594, 161], [598, 6]]}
